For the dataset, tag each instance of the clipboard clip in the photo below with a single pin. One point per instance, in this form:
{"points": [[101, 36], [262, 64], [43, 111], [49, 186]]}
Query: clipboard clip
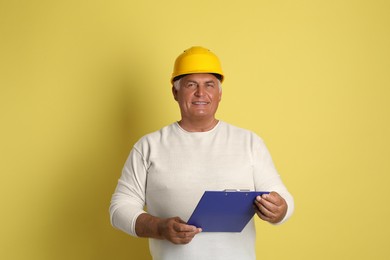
{"points": [[233, 190], [236, 190]]}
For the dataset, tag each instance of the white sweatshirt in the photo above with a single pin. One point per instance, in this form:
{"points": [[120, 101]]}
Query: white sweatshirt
{"points": [[168, 170]]}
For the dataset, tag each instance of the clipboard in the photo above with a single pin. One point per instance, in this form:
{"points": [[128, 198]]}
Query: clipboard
{"points": [[224, 211]]}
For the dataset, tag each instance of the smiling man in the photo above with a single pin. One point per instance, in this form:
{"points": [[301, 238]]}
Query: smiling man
{"points": [[198, 96], [167, 171]]}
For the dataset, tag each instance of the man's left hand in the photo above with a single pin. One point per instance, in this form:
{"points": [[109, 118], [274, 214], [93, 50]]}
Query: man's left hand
{"points": [[271, 207]]}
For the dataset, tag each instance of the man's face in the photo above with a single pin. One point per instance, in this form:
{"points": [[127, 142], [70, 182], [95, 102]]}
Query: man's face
{"points": [[198, 96]]}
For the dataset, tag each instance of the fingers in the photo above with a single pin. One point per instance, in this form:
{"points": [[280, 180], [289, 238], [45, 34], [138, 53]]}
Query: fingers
{"points": [[271, 207], [178, 232], [183, 233], [263, 212]]}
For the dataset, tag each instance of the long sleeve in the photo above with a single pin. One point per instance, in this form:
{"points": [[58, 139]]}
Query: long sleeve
{"points": [[128, 200], [266, 177]]}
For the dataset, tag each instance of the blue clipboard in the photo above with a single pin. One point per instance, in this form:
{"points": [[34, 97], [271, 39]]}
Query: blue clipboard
{"points": [[224, 211]]}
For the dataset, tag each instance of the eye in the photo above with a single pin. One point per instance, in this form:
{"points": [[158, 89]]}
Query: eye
{"points": [[191, 85], [210, 85]]}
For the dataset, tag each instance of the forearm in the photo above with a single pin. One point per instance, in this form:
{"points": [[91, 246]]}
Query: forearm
{"points": [[147, 225]]}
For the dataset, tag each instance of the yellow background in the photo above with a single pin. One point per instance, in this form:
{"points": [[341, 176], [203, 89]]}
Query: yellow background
{"points": [[81, 81]]}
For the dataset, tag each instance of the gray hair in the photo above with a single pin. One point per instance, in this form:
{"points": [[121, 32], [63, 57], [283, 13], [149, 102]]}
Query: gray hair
{"points": [[176, 84]]}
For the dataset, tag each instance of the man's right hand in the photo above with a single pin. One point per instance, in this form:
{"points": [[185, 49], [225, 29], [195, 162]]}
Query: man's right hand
{"points": [[173, 229], [177, 231]]}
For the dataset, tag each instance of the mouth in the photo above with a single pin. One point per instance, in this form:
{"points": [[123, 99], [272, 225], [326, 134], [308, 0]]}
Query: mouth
{"points": [[200, 103]]}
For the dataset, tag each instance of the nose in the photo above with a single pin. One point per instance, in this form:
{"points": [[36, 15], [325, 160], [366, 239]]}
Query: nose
{"points": [[199, 91]]}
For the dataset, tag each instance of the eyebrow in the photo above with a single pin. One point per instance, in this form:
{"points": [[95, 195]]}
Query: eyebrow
{"points": [[194, 81]]}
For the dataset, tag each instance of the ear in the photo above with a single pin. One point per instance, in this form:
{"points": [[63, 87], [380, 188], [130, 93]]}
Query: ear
{"points": [[174, 92]]}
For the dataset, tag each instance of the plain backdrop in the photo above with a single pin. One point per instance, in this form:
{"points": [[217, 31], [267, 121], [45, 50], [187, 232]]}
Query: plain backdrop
{"points": [[82, 81]]}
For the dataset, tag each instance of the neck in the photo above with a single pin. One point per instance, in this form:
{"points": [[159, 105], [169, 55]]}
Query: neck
{"points": [[198, 125]]}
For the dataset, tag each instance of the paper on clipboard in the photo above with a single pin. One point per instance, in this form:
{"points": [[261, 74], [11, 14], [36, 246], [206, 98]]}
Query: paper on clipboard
{"points": [[224, 211]]}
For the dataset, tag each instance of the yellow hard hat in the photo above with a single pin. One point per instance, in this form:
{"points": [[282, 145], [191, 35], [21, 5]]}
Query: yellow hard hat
{"points": [[197, 60]]}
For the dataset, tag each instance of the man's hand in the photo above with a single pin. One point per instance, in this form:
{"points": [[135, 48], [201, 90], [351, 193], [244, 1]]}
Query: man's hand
{"points": [[271, 207], [177, 231], [173, 229]]}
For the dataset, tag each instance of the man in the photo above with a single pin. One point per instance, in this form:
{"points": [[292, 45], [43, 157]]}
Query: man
{"points": [[167, 171]]}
